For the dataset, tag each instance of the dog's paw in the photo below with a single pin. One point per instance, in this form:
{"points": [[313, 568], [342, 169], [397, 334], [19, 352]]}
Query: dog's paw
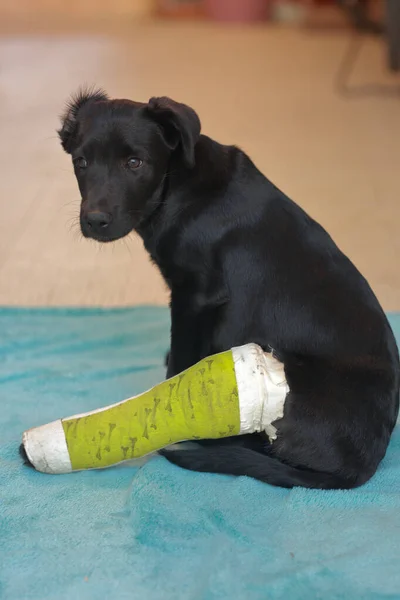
{"points": [[24, 457]]}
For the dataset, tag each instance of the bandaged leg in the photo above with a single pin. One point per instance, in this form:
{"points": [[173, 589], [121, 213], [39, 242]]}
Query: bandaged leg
{"points": [[232, 393]]}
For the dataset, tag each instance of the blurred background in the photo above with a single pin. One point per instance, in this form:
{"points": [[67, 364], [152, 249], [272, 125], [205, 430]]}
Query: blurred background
{"points": [[310, 89]]}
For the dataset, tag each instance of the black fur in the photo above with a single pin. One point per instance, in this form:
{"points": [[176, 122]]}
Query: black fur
{"points": [[24, 456], [244, 264], [69, 118]]}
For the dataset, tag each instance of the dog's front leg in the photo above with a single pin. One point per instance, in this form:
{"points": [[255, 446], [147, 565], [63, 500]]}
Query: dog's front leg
{"points": [[186, 332]]}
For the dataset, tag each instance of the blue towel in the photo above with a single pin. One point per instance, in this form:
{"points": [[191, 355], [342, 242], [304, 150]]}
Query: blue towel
{"points": [[159, 532]]}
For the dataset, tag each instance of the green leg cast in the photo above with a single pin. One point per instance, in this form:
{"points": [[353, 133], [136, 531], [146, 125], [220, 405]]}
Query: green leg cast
{"points": [[201, 402]]}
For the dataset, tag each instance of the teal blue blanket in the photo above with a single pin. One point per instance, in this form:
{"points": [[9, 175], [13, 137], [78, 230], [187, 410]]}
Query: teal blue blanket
{"points": [[158, 532]]}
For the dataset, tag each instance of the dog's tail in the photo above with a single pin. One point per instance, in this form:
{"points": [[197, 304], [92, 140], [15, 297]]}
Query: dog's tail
{"points": [[241, 461]]}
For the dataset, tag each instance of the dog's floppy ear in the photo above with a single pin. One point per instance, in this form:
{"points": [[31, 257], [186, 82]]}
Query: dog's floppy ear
{"points": [[69, 119], [180, 125]]}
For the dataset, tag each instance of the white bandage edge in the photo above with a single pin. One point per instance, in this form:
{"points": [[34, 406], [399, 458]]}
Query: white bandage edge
{"points": [[262, 389], [46, 448]]}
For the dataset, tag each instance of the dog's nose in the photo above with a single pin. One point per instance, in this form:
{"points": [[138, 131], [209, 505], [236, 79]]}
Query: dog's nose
{"points": [[98, 220]]}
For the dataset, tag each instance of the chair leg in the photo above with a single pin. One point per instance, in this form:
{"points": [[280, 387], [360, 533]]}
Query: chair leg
{"points": [[393, 33]]}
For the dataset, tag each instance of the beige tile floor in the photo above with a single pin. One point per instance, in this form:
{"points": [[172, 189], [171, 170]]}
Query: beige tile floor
{"points": [[268, 90]]}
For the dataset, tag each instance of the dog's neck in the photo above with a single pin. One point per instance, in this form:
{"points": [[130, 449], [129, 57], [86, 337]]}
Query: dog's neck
{"points": [[182, 190], [168, 201], [147, 226]]}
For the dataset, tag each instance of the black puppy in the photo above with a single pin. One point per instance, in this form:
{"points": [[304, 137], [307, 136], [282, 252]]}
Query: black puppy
{"points": [[243, 264]]}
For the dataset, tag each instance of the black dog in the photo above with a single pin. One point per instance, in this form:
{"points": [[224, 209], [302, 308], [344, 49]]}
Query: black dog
{"points": [[243, 264]]}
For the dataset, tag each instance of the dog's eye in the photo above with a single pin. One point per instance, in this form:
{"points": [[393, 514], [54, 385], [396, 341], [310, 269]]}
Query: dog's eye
{"points": [[81, 162], [134, 163]]}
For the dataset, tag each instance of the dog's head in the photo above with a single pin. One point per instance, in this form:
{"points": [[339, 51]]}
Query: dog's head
{"points": [[121, 152]]}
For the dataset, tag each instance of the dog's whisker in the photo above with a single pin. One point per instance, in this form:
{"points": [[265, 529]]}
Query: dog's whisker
{"points": [[73, 228], [51, 137], [126, 245], [73, 219], [75, 233], [74, 201], [74, 216], [69, 171]]}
